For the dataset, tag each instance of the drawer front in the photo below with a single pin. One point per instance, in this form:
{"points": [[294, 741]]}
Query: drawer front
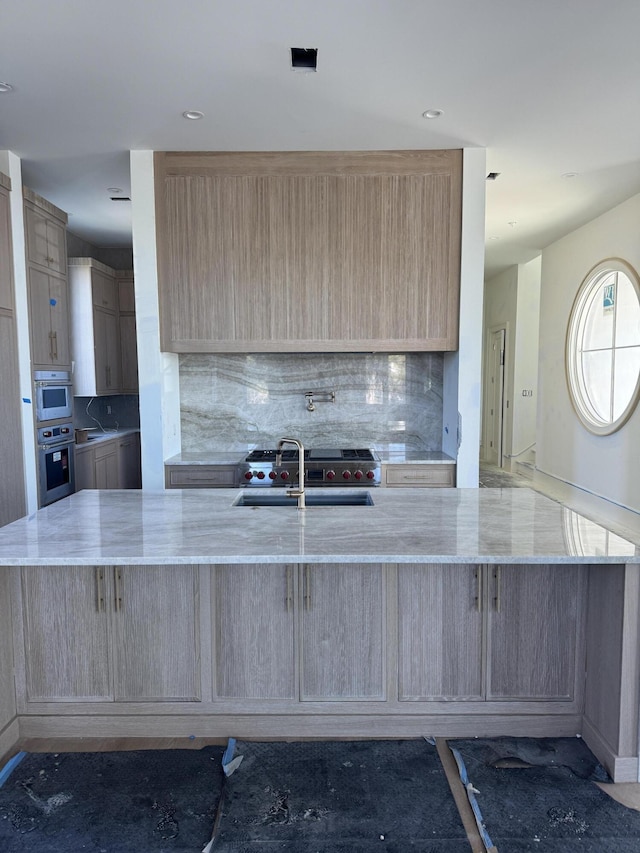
{"points": [[104, 447], [200, 477], [435, 476]]}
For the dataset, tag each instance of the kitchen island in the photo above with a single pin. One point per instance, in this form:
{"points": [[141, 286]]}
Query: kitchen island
{"points": [[450, 612]]}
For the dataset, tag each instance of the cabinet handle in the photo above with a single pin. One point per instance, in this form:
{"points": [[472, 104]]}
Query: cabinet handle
{"points": [[51, 346], [478, 598], [55, 344], [119, 602], [307, 587], [289, 597], [497, 576], [100, 589]]}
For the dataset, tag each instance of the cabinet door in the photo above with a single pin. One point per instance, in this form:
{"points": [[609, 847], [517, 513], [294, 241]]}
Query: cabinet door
{"points": [[439, 632], [128, 354], [534, 614], [156, 635], [46, 240], [66, 633], [107, 352], [107, 475], [48, 319], [84, 467], [129, 476], [7, 686], [6, 252], [253, 618], [343, 632], [12, 497]]}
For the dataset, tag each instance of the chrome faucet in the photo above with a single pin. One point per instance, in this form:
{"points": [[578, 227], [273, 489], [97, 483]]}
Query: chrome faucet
{"points": [[299, 492]]}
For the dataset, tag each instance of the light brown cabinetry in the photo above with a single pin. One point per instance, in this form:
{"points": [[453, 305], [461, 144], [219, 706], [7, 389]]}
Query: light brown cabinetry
{"points": [[47, 283], [7, 686], [254, 629], [433, 476], [200, 476], [110, 633], [12, 497], [128, 342], [309, 251], [497, 633], [111, 463], [326, 622]]}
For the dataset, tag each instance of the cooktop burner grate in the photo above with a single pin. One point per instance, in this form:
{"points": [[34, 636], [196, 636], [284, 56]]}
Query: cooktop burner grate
{"points": [[321, 455]]}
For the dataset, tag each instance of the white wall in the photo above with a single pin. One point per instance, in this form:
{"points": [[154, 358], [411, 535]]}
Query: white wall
{"points": [[605, 466], [525, 360]]}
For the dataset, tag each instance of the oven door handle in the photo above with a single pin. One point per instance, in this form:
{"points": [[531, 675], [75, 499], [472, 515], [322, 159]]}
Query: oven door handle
{"points": [[57, 445]]}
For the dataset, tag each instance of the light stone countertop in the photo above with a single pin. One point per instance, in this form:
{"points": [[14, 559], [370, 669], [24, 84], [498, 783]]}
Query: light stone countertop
{"points": [[403, 526], [100, 436]]}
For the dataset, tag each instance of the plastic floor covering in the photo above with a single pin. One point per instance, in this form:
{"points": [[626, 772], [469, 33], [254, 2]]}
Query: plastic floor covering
{"points": [[538, 794]]}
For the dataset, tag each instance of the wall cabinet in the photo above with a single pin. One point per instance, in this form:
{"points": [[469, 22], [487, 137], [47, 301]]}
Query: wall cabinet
{"points": [[433, 476], [95, 335], [111, 463], [47, 283], [308, 251], [128, 342], [6, 247], [490, 632], [110, 633]]}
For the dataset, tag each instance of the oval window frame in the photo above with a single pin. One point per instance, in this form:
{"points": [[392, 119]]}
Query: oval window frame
{"points": [[579, 401]]}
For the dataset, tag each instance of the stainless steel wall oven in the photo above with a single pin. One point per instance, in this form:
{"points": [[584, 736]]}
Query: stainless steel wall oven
{"points": [[56, 473]]}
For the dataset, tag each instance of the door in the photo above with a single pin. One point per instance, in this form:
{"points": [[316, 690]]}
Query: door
{"points": [[494, 398], [66, 633], [155, 630], [343, 632], [440, 632], [533, 633], [253, 615]]}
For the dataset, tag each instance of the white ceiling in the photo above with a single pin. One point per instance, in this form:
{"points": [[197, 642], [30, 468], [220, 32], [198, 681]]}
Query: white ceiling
{"points": [[546, 86]]}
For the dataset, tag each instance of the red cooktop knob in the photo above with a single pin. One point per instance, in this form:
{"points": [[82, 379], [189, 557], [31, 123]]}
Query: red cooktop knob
{"points": [[248, 475], [358, 475], [331, 475], [346, 475], [272, 475], [285, 475], [261, 475], [370, 475]]}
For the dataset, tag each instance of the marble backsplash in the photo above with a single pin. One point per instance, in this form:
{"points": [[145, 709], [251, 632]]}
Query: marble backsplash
{"points": [[381, 399]]}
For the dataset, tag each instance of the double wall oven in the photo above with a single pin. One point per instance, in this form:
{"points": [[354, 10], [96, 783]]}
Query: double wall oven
{"points": [[55, 436]]}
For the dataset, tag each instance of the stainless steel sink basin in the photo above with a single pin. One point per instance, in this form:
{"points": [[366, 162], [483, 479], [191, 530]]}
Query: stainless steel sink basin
{"points": [[273, 498]]}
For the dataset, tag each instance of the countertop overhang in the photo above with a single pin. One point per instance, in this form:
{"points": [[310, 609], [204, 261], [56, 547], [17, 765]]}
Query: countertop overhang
{"points": [[514, 526]]}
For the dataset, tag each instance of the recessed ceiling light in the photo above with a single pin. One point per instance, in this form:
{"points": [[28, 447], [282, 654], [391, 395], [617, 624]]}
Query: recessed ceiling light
{"points": [[432, 113], [5, 87], [513, 223], [114, 190], [568, 175], [194, 115]]}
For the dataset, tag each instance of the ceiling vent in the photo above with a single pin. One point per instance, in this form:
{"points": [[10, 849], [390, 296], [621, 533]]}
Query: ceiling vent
{"points": [[304, 58], [120, 198], [492, 176]]}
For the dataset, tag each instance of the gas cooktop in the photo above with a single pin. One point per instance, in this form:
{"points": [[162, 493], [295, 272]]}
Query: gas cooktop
{"points": [[322, 467]]}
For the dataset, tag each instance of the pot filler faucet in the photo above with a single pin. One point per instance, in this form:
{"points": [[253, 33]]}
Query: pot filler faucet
{"points": [[299, 492]]}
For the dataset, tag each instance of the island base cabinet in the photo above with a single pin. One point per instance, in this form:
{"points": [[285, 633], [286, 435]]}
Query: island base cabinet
{"points": [[535, 629], [440, 632], [253, 619], [99, 634], [342, 632]]}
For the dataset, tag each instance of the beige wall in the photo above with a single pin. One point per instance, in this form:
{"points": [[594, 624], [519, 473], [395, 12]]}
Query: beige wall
{"points": [[605, 466]]}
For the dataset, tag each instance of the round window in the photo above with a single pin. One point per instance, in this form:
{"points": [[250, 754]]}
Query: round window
{"points": [[603, 347]]}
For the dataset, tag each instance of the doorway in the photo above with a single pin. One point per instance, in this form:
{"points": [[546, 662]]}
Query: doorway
{"points": [[494, 404]]}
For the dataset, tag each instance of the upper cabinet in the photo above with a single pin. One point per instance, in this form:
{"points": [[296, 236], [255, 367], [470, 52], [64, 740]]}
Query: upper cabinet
{"points": [[309, 251], [103, 329], [6, 247], [47, 282]]}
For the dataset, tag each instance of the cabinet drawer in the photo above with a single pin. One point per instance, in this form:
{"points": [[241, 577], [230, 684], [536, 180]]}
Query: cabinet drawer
{"points": [[435, 476], [105, 447], [200, 476]]}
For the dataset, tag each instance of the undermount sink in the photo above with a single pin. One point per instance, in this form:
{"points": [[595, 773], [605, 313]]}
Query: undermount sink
{"points": [[267, 499]]}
